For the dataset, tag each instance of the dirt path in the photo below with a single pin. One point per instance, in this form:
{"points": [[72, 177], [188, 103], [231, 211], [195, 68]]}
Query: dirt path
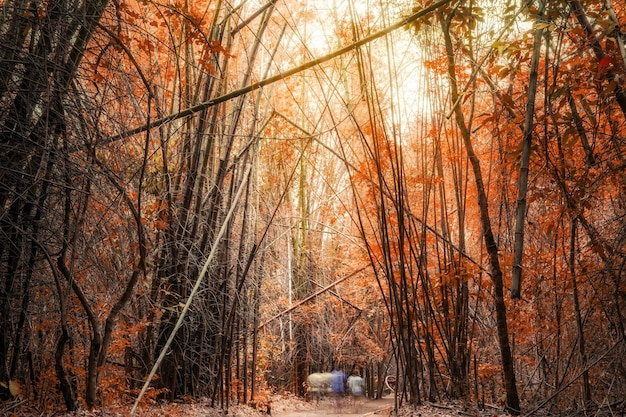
{"points": [[369, 408]]}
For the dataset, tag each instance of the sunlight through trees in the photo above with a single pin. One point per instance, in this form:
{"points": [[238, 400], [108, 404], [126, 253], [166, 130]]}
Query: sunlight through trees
{"points": [[212, 200]]}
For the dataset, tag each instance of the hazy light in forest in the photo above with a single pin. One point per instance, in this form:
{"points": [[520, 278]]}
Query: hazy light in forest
{"points": [[330, 25]]}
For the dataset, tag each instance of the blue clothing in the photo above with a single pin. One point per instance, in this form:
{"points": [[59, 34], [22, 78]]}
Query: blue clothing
{"points": [[337, 382]]}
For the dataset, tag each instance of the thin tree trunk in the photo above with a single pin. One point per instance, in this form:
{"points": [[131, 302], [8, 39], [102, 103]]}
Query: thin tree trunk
{"points": [[506, 356], [65, 377], [194, 290], [520, 215], [557, 313], [591, 160], [255, 328], [578, 315]]}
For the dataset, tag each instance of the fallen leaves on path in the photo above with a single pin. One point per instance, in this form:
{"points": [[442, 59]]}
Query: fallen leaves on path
{"points": [[281, 405]]}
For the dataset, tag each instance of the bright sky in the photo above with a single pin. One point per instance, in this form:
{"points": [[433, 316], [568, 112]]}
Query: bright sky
{"points": [[319, 35]]}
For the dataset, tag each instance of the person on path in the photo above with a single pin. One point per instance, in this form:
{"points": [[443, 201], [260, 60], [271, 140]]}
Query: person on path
{"points": [[318, 384], [338, 388], [356, 387]]}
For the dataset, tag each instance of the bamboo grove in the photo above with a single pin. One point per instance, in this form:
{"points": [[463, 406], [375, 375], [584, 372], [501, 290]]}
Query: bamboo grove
{"points": [[204, 199]]}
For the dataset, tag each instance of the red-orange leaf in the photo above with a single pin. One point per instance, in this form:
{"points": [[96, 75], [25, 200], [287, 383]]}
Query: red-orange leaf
{"points": [[604, 62]]}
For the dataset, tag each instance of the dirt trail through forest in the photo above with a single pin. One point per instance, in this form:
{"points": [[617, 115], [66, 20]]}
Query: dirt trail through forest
{"points": [[367, 408]]}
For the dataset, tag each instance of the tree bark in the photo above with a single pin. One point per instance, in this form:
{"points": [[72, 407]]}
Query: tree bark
{"points": [[506, 356], [578, 314], [520, 214], [43, 45]]}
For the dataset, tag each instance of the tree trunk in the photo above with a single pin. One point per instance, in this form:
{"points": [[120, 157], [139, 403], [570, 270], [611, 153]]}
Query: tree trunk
{"points": [[492, 248], [66, 384], [520, 215], [36, 71], [578, 315]]}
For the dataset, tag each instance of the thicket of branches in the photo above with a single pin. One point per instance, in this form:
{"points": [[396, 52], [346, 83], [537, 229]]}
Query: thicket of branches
{"points": [[195, 191]]}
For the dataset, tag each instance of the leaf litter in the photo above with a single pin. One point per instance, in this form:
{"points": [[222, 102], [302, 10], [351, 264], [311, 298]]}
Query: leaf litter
{"points": [[286, 405]]}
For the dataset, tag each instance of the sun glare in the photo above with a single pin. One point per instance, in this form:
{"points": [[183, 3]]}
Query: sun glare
{"points": [[398, 71]]}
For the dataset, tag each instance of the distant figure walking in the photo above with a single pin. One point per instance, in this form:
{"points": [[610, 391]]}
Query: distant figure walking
{"points": [[356, 387], [338, 387], [319, 385]]}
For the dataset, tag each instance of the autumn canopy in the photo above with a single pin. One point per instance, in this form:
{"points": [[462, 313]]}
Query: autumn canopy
{"points": [[212, 200]]}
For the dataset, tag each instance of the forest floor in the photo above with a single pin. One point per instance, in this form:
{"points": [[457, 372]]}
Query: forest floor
{"points": [[281, 406], [291, 406], [380, 408]]}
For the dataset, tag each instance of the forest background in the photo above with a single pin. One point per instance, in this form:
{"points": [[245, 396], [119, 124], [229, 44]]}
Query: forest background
{"points": [[220, 198]]}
